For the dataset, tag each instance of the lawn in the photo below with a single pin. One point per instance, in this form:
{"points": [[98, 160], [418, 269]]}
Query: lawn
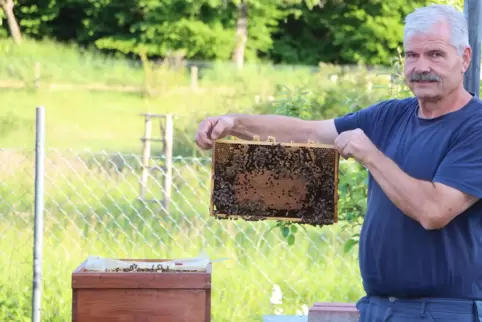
{"points": [[92, 181], [91, 210]]}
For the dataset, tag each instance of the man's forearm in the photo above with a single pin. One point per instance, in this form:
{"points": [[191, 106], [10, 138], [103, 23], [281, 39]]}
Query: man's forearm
{"points": [[282, 128], [413, 196]]}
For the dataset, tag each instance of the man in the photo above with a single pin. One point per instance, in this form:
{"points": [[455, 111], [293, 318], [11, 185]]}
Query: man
{"points": [[421, 240]]}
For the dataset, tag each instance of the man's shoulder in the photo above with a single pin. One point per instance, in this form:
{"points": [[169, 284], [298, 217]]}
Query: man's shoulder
{"points": [[394, 107], [396, 104], [474, 109], [466, 125], [471, 116]]}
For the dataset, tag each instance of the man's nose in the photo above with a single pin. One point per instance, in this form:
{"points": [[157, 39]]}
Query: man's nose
{"points": [[422, 66]]}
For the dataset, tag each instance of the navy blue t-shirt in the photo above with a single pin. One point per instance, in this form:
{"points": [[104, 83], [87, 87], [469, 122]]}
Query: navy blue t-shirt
{"points": [[397, 256]]}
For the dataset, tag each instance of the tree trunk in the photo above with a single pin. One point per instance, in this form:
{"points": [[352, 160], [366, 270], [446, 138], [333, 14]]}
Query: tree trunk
{"points": [[7, 6], [241, 34]]}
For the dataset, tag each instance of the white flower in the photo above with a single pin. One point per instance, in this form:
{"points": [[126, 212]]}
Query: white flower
{"points": [[276, 295], [278, 311], [304, 310]]}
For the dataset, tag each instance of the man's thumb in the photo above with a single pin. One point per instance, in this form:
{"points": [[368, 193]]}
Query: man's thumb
{"points": [[217, 131]]}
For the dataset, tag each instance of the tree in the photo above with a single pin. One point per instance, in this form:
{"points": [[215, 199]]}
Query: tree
{"points": [[241, 34], [7, 7]]}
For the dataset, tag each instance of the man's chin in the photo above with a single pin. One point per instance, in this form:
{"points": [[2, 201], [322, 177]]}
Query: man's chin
{"points": [[426, 94], [429, 98]]}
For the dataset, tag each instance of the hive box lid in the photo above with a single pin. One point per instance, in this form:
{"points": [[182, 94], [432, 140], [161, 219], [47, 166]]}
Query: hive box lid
{"points": [[334, 307], [333, 312], [285, 318], [82, 278]]}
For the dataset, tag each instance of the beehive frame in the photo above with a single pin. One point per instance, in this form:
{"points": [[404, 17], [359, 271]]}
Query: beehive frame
{"points": [[267, 180]]}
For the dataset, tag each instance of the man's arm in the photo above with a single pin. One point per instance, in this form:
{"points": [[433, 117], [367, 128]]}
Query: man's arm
{"points": [[457, 185], [432, 204], [283, 128]]}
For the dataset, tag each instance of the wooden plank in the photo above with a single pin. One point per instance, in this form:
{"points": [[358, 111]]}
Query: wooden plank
{"points": [[153, 115], [146, 156], [168, 151], [141, 305], [333, 312], [271, 141], [133, 280], [82, 278]]}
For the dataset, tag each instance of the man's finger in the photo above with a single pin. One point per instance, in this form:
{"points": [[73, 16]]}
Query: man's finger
{"points": [[217, 131], [341, 142], [203, 141], [220, 129], [201, 138], [347, 152]]}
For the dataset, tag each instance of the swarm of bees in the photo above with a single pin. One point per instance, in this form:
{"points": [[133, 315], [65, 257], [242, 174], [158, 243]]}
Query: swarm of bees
{"points": [[254, 180], [156, 268]]}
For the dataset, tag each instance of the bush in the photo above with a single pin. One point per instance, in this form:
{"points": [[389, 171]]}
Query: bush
{"points": [[352, 190]]}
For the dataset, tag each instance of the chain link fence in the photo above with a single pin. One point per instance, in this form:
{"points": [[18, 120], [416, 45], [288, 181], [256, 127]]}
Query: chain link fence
{"points": [[92, 207]]}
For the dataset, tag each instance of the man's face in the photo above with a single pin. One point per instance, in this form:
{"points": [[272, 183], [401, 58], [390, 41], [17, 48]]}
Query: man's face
{"points": [[432, 67]]}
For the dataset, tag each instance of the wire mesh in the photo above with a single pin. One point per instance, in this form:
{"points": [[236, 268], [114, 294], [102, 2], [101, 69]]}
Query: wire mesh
{"points": [[92, 207]]}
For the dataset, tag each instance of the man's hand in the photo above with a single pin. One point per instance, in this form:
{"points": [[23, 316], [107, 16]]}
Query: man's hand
{"points": [[355, 144], [211, 129]]}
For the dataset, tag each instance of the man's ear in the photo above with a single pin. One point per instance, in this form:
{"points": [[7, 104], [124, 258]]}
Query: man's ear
{"points": [[467, 57]]}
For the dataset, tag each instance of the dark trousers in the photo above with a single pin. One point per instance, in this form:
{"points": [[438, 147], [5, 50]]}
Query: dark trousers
{"points": [[391, 309]]}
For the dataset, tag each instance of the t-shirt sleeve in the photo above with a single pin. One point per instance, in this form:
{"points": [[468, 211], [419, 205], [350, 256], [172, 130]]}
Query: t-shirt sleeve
{"points": [[461, 168], [364, 119]]}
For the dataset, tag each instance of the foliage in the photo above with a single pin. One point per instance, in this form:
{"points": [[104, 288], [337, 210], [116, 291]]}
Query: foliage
{"points": [[288, 31], [329, 92], [343, 32], [352, 199], [352, 188], [294, 104]]}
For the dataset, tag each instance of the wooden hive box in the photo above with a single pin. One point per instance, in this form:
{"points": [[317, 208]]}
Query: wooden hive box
{"points": [[141, 296], [333, 312], [265, 180]]}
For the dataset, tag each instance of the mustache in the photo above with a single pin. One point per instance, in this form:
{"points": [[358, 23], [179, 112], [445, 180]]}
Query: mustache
{"points": [[425, 77]]}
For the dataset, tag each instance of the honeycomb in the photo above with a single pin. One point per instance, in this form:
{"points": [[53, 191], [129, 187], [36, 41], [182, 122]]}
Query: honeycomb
{"points": [[255, 180]]}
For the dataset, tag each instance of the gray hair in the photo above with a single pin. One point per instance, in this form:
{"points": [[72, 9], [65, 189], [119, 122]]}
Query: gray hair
{"points": [[420, 21]]}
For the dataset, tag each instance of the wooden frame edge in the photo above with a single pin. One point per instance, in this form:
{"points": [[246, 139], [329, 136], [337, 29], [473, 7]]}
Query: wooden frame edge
{"points": [[337, 170], [288, 144], [225, 216], [211, 202], [262, 218]]}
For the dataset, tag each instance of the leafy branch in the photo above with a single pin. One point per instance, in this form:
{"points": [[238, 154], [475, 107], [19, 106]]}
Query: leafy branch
{"points": [[353, 176], [294, 103]]}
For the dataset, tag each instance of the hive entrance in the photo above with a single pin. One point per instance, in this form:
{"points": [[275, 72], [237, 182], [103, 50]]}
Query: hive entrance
{"points": [[279, 181]]}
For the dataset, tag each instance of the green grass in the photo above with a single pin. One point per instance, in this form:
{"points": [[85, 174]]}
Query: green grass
{"points": [[66, 64], [91, 209]]}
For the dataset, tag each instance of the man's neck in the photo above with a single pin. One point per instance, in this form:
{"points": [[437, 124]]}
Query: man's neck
{"points": [[454, 101]]}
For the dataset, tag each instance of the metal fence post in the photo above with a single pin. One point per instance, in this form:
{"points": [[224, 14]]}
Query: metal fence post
{"points": [[472, 11], [39, 213]]}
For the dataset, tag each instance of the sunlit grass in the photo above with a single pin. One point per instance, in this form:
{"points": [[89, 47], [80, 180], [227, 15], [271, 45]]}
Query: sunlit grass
{"points": [[90, 211], [92, 206]]}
